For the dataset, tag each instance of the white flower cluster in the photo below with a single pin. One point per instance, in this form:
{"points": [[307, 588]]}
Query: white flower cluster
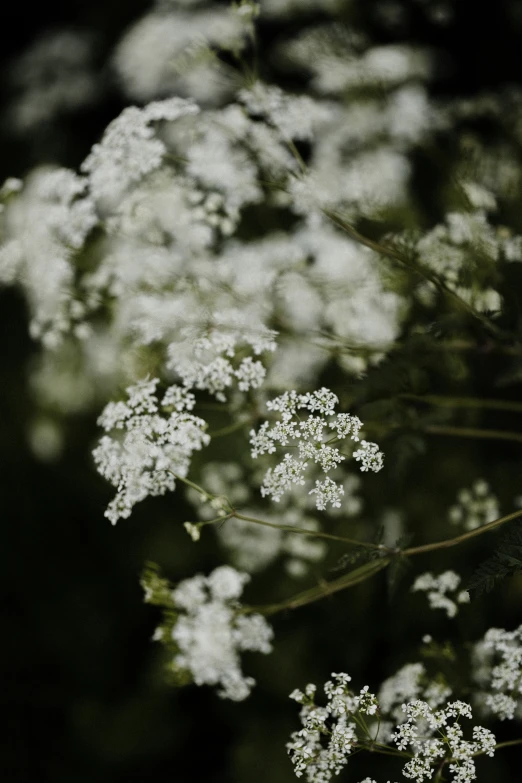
{"points": [[408, 684], [307, 436], [165, 188], [438, 588], [335, 722], [498, 669], [130, 148], [466, 242], [295, 117], [205, 363], [475, 506], [149, 443], [432, 737], [210, 633], [48, 223], [171, 51]]}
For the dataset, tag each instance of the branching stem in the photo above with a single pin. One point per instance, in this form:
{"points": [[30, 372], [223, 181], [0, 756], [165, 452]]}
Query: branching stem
{"points": [[449, 542], [312, 533]]}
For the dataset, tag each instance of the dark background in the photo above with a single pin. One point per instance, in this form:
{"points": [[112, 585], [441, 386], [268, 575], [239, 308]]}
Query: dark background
{"points": [[83, 694]]}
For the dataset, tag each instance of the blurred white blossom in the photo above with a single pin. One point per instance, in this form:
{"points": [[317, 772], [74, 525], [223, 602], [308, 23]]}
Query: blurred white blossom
{"points": [[439, 589], [211, 634]]}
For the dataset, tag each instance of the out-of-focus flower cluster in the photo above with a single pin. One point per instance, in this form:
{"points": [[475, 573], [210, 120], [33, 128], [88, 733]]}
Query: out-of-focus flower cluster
{"points": [[439, 589], [475, 506], [498, 673], [205, 630]]}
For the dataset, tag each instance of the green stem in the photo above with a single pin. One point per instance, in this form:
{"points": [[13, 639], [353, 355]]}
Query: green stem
{"points": [[297, 156], [499, 745], [434, 345], [313, 533], [321, 591], [213, 521], [438, 774], [449, 542], [448, 429], [358, 574], [508, 743], [231, 428], [191, 484], [386, 750], [369, 569]]}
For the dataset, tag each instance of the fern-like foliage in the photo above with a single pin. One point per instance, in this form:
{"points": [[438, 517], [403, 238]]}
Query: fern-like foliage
{"points": [[360, 554], [505, 561]]}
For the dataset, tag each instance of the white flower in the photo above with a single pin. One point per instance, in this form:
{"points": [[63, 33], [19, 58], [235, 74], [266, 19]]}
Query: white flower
{"points": [[194, 531], [438, 588], [327, 492], [153, 447], [475, 507], [369, 456], [46, 223], [497, 660], [307, 435], [210, 633], [294, 116], [420, 732], [208, 362], [129, 148]]}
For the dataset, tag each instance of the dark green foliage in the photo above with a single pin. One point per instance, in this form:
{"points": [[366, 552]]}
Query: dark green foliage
{"points": [[157, 590], [399, 566], [505, 561], [360, 554]]}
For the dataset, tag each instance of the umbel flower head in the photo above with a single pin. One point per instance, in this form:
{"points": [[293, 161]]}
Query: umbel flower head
{"points": [[307, 435], [157, 442], [321, 749], [336, 723]]}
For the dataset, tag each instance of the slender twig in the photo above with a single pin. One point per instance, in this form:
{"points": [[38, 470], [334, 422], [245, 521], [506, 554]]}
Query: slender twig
{"points": [[449, 542], [507, 744], [447, 429], [313, 533], [215, 521], [386, 750], [323, 590], [238, 425], [369, 569], [358, 574], [286, 528], [191, 484], [438, 773]]}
